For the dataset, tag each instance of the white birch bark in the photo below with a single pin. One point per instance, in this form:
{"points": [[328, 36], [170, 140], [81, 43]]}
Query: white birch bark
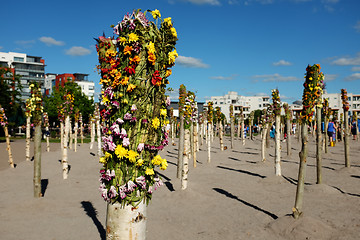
{"points": [[185, 168], [75, 136], [82, 132], [62, 134], [172, 133], [277, 146], [196, 145], [71, 136], [263, 142], [92, 133], [209, 142], [47, 139], [126, 223], [27, 148], [64, 160], [8, 147], [98, 134], [221, 139], [242, 130]]}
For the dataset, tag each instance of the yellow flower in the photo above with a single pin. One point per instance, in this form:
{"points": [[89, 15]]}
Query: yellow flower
{"points": [[155, 123], [120, 151], [131, 155], [149, 171], [157, 160], [140, 162], [168, 72], [156, 14], [127, 50], [151, 47], [135, 59], [151, 58], [133, 37], [164, 164], [163, 112], [125, 101], [173, 31], [172, 56], [102, 160], [105, 158], [124, 81], [110, 53], [131, 87], [122, 40], [168, 21]]}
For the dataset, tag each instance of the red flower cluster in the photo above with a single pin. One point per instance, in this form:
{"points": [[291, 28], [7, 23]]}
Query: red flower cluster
{"points": [[156, 79]]}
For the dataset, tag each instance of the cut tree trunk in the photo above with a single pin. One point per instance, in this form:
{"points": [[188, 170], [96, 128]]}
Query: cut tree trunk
{"points": [[98, 135], [297, 210], [346, 139], [62, 134], [8, 147], [209, 142], [181, 148], [263, 142], [288, 138], [185, 168], [232, 129], [277, 146], [82, 133], [318, 146], [92, 134], [37, 161], [196, 145], [221, 137], [47, 139], [75, 136], [126, 223], [242, 131], [27, 149], [64, 160]]}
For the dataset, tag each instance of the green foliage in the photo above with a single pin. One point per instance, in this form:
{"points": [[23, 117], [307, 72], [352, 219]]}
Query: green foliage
{"points": [[56, 99]]}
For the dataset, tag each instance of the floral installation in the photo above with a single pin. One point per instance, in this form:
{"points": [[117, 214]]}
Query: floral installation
{"points": [[231, 108], [287, 110], [3, 118], [326, 109], [134, 67], [276, 101], [313, 89], [46, 119], [210, 112], [66, 107], [34, 107], [344, 99], [190, 110], [267, 115], [182, 97]]}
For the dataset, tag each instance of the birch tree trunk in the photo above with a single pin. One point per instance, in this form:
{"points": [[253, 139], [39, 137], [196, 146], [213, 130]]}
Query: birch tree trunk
{"points": [[242, 131], [126, 223], [37, 161], [185, 168], [62, 134], [277, 146], [268, 135], [288, 138], [232, 129], [75, 136], [47, 139], [318, 146], [196, 145], [221, 137], [209, 142], [98, 134], [239, 129], [82, 133], [64, 160], [92, 134], [326, 137], [172, 133], [8, 147], [346, 139], [201, 130], [71, 136], [297, 209], [263, 142], [27, 149], [181, 148], [212, 132]]}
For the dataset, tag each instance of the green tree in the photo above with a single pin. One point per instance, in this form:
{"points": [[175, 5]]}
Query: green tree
{"points": [[56, 99]]}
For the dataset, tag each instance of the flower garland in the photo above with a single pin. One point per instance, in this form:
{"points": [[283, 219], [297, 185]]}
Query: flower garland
{"points": [[34, 107], [326, 109], [287, 111], [344, 99], [3, 118], [276, 101], [134, 68], [190, 110], [267, 114], [313, 89], [210, 112]]}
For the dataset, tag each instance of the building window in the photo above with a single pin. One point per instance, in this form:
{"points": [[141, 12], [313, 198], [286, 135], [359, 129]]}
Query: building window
{"points": [[349, 98], [91, 87], [18, 59]]}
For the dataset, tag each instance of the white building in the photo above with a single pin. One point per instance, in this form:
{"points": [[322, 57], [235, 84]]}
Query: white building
{"points": [[249, 103], [335, 102], [87, 87]]}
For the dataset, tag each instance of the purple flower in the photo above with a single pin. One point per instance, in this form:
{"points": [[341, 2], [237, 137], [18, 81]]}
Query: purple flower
{"points": [[122, 191], [131, 186], [133, 119], [158, 183], [140, 147], [117, 28], [115, 129], [144, 121], [150, 190], [133, 108], [123, 133], [119, 121], [126, 142], [104, 192], [141, 181], [108, 144], [116, 104], [112, 192], [142, 19], [127, 116]]}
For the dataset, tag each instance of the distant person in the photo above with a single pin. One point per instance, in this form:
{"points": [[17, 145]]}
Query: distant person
{"points": [[353, 129], [331, 132]]}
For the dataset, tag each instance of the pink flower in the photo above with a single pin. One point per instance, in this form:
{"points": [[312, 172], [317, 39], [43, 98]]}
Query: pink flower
{"points": [[140, 147], [126, 142], [141, 181], [112, 192], [131, 186], [115, 129], [168, 101], [122, 191], [123, 133], [133, 108]]}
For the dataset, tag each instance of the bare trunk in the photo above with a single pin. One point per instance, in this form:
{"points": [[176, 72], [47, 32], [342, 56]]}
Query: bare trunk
{"points": [[346, 139], [209, 142], [326, 137], [64, 160], [98, 134], [185, 168], [268, 135], [27, 149], [92, 134], [47, 139], [239, 129], [242, 131], [212, 132], [75, 136], [126, 223], [221, 138], [71, 136], [298, 133], [172, 133], [232, 129], [277, 146], [318, 146], [263, 142], [181, 148], [288, 138], [196, 145], [8, 147], [62, 134], [37, 161], [297, 209], [82, 133]]}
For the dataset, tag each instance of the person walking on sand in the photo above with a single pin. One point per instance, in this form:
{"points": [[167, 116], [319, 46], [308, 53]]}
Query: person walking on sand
{"points": [[353, 129], [331, 132]]}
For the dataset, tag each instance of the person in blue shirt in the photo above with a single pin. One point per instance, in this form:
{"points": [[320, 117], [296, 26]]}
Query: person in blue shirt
{"points": [[331, 131]]}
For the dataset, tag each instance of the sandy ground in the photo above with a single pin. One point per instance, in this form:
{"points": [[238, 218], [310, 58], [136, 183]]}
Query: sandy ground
{"points": [[236, 196]]}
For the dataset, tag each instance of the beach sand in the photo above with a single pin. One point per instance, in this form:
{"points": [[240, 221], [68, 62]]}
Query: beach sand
{"points": [[235, 196]]}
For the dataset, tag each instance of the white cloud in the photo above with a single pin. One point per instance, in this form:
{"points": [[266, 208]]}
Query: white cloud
{"points": [[223, 77], [346, 61], [25, 43], [78, 51], [275, 78], [355, 69], [352, 77], [49, 41], [330, 77], [357, 26], [203, 2], [190, 62], [233, 2], [282, 63]]}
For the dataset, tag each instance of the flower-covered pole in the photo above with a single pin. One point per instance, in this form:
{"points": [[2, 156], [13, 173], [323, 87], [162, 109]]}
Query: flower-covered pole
{"points": [[242, 125], [182, 96], [232, 125], [346, 107], [4, 124], [172, 133], [210, 114], [98, 128], [71, 135], [134, 67], [28, 128], [76, 127], [35, 103], [201, 128], [277, 110], [81, 124], [221, 138], [318, 104], [67, 110], [288, 118], [92, 131], [266, 120], [326, 113], [312, 91], [47, 125], [251, 120]]}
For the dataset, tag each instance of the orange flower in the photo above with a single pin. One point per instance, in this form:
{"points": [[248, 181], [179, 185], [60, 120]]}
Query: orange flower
{"points": [[135, 60], [151, 58], [131, 87], [127, 50], [168, 72], [124, 81]]}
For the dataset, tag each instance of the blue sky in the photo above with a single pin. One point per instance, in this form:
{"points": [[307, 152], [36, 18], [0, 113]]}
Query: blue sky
{"points": [[247, 46]]}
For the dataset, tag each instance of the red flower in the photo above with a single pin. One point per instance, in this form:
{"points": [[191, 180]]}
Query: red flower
{"points": [[129, 70], [156, 79]]}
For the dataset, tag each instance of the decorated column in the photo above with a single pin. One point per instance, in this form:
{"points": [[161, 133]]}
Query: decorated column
{"points": [[318, 106], [219, 120], [266, 121], [81, 124], [76, 128], [288, 118], [4, 124], [210, 114], [182, 96], [346, 106], [312, 89], [46, 124], [277, 111], [98, 128], [232, 125], [28, 129], [92, 131], [326, 113], [134, 66]]}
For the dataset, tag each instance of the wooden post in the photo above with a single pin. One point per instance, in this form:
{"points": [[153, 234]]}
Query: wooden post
{"points": [[185, 168], [27, 149], [37, 160], [263, 142], [8, 147], [318, 145], [64, 160], [277, 146]]}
